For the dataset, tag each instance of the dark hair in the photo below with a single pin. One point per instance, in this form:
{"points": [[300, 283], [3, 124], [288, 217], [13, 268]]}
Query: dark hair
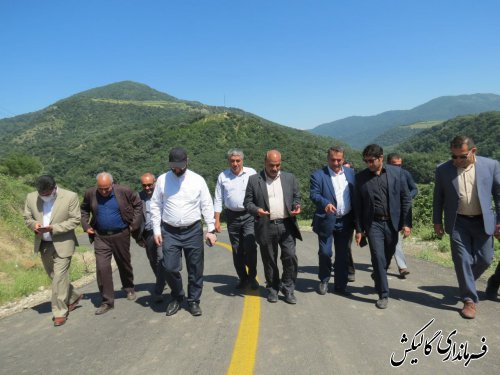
{"points": [[45, 183], [373, 150], [393, 155], [460, 140]]}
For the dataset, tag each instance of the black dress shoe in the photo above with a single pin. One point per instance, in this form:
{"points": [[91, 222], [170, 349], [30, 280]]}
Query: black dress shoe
{"points": [[272, 296], [104, 308], [290, 298], [341, 292], [194, 308], [241, 285], [254, 284], [382, 303], [173, 307], [322, 288]]}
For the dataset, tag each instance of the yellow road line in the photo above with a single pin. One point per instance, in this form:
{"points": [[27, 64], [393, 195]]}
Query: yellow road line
{"points": [[245, 347]]}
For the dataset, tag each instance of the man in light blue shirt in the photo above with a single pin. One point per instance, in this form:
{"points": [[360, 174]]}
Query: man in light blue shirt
{"points": [[230, 193]]}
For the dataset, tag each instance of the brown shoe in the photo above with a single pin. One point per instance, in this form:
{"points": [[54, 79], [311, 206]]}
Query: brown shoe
{"points": [[131, 295], [104, 308], [59, 321], [74, 305], [469, 310]]}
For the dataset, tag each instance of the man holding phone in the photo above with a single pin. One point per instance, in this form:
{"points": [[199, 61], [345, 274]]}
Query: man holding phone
{"points": [[273, 198], [53, 214]]}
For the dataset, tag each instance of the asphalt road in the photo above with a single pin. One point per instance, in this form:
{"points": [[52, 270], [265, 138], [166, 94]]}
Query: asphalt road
{"points": [[327, 334]]}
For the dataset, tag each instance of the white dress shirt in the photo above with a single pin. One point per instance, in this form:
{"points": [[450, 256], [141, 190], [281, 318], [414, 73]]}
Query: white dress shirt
{"points": [[276, 198], [181, 201], [230, 189], [47, 214], [342, 194]]}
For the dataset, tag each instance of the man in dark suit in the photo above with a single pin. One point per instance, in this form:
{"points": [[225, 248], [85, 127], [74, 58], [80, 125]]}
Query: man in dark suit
{"points": [[273, 197], [109, 214], [464, 189], [146, 237], [382, 203], [331, 189]]}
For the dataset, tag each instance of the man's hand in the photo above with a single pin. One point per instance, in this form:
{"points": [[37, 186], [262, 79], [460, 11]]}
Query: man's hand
{"points": [[330, 209], [438, 229], [39, 228], [358, 238], [158, 239], [91, 231], [217, 226], [261, 212], [211, 239], [296, 211], [497, 232], [406, 231]]}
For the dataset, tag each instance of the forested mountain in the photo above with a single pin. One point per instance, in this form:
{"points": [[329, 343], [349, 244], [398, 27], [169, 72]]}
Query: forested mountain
{"points": [[432, 146], [359, 131], [128, 128]]}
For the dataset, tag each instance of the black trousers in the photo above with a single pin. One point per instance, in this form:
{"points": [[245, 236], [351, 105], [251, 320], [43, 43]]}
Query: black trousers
{"points": [[281, 235], [382, 239], [240, 226], [190, 241]]}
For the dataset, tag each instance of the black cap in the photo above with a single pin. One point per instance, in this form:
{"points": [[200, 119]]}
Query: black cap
{"points": [[177, 158]]}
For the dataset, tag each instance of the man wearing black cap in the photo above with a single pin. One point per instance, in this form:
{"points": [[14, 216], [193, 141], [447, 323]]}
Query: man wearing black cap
{"points": [[180, 198]]}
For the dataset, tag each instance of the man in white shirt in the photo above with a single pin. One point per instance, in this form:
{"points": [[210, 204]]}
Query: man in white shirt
{"points": [[180, 198], [331, 190], [230, 192]]}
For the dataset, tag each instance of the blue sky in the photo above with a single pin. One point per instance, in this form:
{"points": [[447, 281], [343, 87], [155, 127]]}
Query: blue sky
{"points": [[298, 63]]}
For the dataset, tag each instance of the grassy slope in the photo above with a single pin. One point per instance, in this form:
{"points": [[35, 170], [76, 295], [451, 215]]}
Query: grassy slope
{"points": [[21, 273]]}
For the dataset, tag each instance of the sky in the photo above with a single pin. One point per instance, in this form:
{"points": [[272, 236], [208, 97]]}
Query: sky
{"points": [[297, 63]]}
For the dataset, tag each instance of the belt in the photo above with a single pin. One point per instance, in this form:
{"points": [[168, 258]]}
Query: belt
{"points": [[233, 212], [470, 216], [172, 228], [109, 232], [341, 216], [277, 221], [381, 218]]}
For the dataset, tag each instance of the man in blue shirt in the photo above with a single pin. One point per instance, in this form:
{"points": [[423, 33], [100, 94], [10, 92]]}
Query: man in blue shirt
{"points": [[109, 214]]}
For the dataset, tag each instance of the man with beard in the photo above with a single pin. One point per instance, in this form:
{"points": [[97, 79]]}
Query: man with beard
{"points": [[273, 198], [146, 237], [464, 191], [382, 203], [180, 199]]}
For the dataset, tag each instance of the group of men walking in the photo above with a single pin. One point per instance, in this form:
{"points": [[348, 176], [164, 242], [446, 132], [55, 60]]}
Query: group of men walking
{"points": [[261, 208]]}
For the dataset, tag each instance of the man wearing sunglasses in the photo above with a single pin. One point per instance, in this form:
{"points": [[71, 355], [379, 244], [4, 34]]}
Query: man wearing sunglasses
{"points": [[146, 237], [382, 203], [464, 188]]}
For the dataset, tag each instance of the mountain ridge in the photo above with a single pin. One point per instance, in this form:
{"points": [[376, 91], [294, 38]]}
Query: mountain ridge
{"points": [[357, 131]]}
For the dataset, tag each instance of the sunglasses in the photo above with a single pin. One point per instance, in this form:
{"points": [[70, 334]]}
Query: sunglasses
{"points": [[461, 157]]}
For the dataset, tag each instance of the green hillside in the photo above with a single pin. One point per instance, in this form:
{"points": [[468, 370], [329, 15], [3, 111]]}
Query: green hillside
{"points": [[432, 146], [359, 131], [127, 129], [394, 136]]}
